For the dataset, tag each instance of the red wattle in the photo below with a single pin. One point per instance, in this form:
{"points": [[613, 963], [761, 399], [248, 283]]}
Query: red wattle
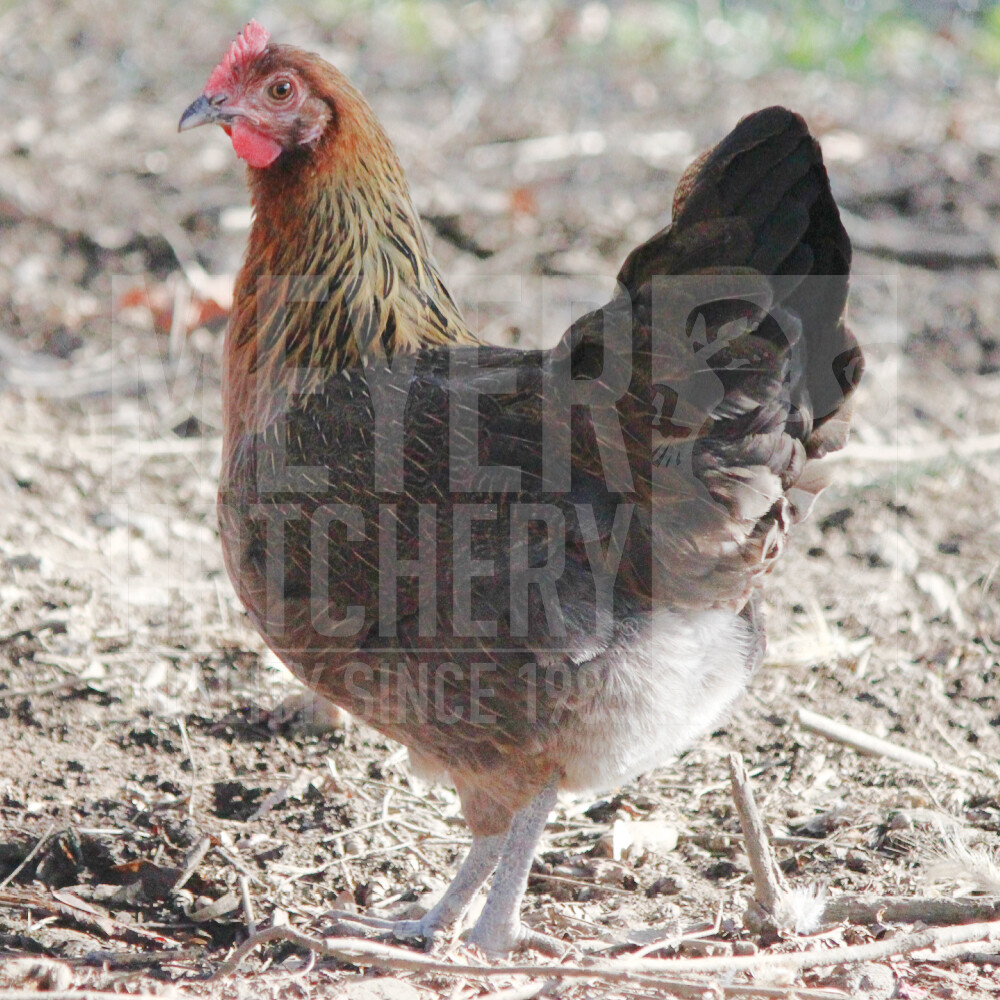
{"points": [[258, 150]]}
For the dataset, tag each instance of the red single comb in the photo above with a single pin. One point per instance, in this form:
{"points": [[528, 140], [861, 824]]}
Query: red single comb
{"points": [[248, 46]]}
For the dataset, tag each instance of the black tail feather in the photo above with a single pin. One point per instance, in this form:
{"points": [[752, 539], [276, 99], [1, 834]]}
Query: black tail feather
{"points": [[761, 199]]}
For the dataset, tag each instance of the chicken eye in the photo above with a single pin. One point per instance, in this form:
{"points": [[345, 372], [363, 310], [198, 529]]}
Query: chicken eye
{"points": [[280, 90]]}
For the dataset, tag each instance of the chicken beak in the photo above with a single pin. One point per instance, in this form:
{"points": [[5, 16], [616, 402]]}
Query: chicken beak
{"points": [[201, 111]]}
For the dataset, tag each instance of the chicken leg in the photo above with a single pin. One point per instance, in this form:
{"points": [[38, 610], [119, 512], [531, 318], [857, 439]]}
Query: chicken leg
{"points": [[472, 873], [498, 929], [474, 870]]}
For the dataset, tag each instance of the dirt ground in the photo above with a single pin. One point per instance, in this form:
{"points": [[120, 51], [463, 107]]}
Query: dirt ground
{"points": [[139, 712]]}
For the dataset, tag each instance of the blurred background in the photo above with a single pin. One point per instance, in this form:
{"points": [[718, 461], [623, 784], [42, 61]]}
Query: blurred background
{"points": [[542, 140]]}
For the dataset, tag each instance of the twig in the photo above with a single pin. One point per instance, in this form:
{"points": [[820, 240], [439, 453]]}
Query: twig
{"points": [[931, 451], [186, 744], [399, 790], [357, 829], [73, 995], [38, 846], [57, 625], [300, 873], [240, 867], [914, 243], [528, 992], [142, 959], [248, 917], [962, 953], [593, 886], [674, 987], [873, 746], [948, 954], [194, 859], [899, 910], [767, 879], [66, 684], [355, 951], [290, 786], [705, 990], [178, 321], [63, 904], [673, 940]]}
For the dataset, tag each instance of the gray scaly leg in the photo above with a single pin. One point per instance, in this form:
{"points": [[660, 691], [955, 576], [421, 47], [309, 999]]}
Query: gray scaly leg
{"points": [[472, 873], [498, 929]]}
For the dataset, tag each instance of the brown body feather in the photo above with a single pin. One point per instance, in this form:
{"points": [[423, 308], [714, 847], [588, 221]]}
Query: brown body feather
{"points": [[736, 378]]}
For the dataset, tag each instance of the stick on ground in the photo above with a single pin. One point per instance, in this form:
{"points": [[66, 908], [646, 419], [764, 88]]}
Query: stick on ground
{"points": [[356, 951], [766, 876], [873, 746]]}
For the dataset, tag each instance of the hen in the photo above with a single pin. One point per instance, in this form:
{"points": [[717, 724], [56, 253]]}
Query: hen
{"points": [[533, 568]]}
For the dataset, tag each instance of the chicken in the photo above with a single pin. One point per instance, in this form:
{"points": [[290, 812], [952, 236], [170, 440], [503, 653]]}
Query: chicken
{"points": [[535, 569]]}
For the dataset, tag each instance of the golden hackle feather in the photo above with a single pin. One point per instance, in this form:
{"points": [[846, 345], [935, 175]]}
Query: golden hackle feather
{"points": [[337, 268]]}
